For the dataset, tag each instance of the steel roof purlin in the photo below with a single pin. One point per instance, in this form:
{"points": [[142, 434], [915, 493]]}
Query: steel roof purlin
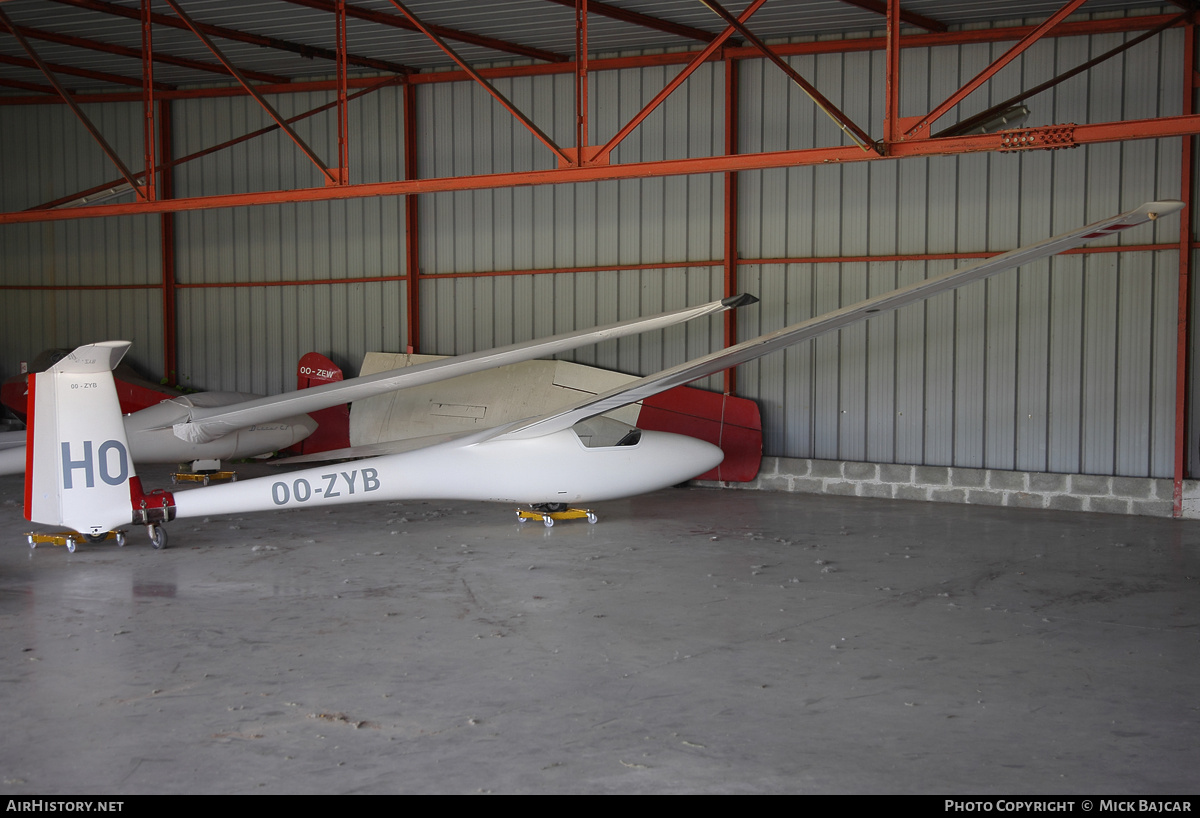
{"points": [[919, 20], [227, 33], [639, 19], [445, 33], [136, 53]]}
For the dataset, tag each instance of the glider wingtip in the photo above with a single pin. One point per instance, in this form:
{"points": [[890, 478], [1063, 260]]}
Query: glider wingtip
{"points": [[739, 300], [1164, 207]]}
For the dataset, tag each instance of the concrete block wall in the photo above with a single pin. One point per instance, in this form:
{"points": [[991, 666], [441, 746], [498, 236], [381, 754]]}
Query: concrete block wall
{"points": [[945, 484]]}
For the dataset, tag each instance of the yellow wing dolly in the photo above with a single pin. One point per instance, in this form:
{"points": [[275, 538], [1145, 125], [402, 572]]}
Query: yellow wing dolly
{"points": [[551, 512], [202, 477], [70, 538]]}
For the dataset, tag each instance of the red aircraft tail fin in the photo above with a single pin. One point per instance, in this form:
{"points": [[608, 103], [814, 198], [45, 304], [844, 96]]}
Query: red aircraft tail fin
{"points": [[732, 423], [333, 424]]}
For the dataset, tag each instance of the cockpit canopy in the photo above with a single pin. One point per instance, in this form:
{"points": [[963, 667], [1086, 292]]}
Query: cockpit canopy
{"points": [[601, 432]]}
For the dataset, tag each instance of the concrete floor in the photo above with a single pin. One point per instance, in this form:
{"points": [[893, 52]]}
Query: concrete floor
{"points": [[695, 640]]}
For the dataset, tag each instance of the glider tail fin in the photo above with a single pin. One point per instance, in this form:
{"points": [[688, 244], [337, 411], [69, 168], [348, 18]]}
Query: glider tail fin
{"points": [[333, 422], [79, 472]]}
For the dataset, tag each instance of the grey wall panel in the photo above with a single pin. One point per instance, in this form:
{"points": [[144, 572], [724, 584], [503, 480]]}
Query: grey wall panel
{"points": [[471, 313], [36, 320], [321, 242], [985, 377], [269, 328], [1063, 367], [45, 154]]}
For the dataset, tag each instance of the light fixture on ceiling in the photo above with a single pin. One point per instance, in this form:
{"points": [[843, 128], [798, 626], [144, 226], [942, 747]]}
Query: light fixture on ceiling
{"points": [[1008, 118]]}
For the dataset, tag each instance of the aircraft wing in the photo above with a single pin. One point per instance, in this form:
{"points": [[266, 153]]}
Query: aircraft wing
{"points": [[756, 347], [206, 424]]}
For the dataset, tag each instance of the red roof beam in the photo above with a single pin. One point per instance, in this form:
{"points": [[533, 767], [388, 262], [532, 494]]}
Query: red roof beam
{"points": [[306, 51], [910, 17], [386, 19], [32, 86], [133, 53], [976, 143], [644, 20], [100, 76]]}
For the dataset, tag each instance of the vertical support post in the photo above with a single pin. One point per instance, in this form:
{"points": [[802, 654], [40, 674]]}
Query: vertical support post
{"points": [[731, 212], [581, 79], [167, 246], [148, 102], [891, 80], [343, 171], [412, 255], [1183, 329]]}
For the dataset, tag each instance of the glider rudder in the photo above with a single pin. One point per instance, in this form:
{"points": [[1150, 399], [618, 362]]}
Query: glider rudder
{"points": [[79, 471]]}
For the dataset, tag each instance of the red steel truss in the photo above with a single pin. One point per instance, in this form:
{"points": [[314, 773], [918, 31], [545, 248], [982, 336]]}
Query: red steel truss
{"points": [[901, 137]]}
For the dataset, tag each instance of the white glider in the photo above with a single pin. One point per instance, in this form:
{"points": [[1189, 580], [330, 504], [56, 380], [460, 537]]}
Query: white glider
{"points": [[82, 474], [218, 426]]}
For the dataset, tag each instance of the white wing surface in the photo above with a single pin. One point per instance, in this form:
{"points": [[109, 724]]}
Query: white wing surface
{"points": [[207, 424], [756, 347]]}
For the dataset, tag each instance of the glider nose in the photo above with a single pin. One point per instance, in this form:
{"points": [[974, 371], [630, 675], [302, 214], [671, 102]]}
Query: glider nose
{"points": [[684, 457]]}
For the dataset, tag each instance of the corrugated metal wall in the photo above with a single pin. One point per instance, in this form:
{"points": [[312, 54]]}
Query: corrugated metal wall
{"points": [[1067, 366], [45, 154], [249, 338]]}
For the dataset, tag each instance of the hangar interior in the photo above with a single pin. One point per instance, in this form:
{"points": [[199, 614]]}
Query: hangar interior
{"points": [[231, 186]]}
